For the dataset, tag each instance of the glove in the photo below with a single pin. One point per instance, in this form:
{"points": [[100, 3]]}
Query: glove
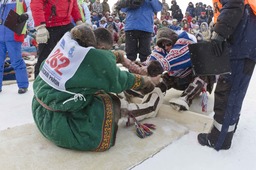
{"points": [[42, 34], [23, 17], [79, 22], [218, 43]]}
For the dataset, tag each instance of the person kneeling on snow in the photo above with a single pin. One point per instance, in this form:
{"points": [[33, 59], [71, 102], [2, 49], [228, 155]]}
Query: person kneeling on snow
{"points": [[171, 55], [74, 104]]}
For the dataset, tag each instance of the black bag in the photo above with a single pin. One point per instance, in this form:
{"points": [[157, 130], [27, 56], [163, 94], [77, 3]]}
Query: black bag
{"points": [[205, 62], [133, 4], [11, 22]]}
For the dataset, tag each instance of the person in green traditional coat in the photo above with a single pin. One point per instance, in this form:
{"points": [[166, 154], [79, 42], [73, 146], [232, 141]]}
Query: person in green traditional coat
{"points": [[73, 104]]}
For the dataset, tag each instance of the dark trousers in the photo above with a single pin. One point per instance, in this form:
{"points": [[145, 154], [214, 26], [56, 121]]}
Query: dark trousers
{"points": [[45, 49], [138, 42], [229, 95]]}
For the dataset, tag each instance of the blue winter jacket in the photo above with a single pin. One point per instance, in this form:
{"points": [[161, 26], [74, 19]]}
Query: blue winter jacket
{"points": [[174, 27], [142, 18], [191, 11]]}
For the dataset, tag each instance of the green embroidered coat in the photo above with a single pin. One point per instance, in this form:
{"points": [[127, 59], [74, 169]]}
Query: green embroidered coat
{"points": [[88, 122]]}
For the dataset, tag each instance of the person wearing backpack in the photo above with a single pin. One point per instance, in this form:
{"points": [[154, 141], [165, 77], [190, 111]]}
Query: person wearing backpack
{"points": [[236, 26]]}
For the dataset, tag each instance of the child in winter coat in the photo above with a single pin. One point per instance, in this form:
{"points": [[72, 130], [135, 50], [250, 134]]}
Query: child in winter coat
{"points": [[205, 31]]}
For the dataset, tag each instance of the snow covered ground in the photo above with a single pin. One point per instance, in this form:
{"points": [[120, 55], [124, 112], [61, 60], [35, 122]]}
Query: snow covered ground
{"points": [[187, 154], [183, 154]]}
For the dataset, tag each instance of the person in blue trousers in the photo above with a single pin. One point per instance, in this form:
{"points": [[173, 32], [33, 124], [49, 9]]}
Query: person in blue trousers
{"points": [[11, 42]]}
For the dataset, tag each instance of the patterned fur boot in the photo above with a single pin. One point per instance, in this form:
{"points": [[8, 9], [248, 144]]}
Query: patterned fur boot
{"points": [[194, 89]]}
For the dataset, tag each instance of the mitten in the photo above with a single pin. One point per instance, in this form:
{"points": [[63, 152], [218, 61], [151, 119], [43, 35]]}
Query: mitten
{"points": [[79, 22], [23, 17], [218, 42], [42, 34]]}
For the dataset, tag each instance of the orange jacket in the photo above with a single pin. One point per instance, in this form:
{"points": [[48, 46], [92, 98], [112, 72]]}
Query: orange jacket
{"points": [[252, 4], [217, 6]]}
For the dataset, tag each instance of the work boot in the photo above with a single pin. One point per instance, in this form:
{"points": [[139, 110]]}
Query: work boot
{"points": [[211, 139], [203, 139]]}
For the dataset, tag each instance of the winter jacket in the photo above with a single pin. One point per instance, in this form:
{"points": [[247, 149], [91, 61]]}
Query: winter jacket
{"points": [[142, 18], [105, 7], [237, 22], [198, 11], [177, 61], [217, 6], [97, 7], [175, 27], [174, 8], [43, 12], [191, 10], [6, 33], [206, 33], [202, 19], [230, 17], [178, 15]]}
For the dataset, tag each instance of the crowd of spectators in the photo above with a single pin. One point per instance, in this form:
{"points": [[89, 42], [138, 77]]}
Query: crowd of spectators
{"points": [[197, 19]]}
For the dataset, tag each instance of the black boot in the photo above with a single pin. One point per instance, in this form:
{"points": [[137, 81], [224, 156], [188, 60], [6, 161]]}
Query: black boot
{"points": [[210, 139], [203, 140], [22, 90]]}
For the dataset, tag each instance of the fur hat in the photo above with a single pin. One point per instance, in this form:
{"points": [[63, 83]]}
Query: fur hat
{"points": [[165, 34], [84, 35]]}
